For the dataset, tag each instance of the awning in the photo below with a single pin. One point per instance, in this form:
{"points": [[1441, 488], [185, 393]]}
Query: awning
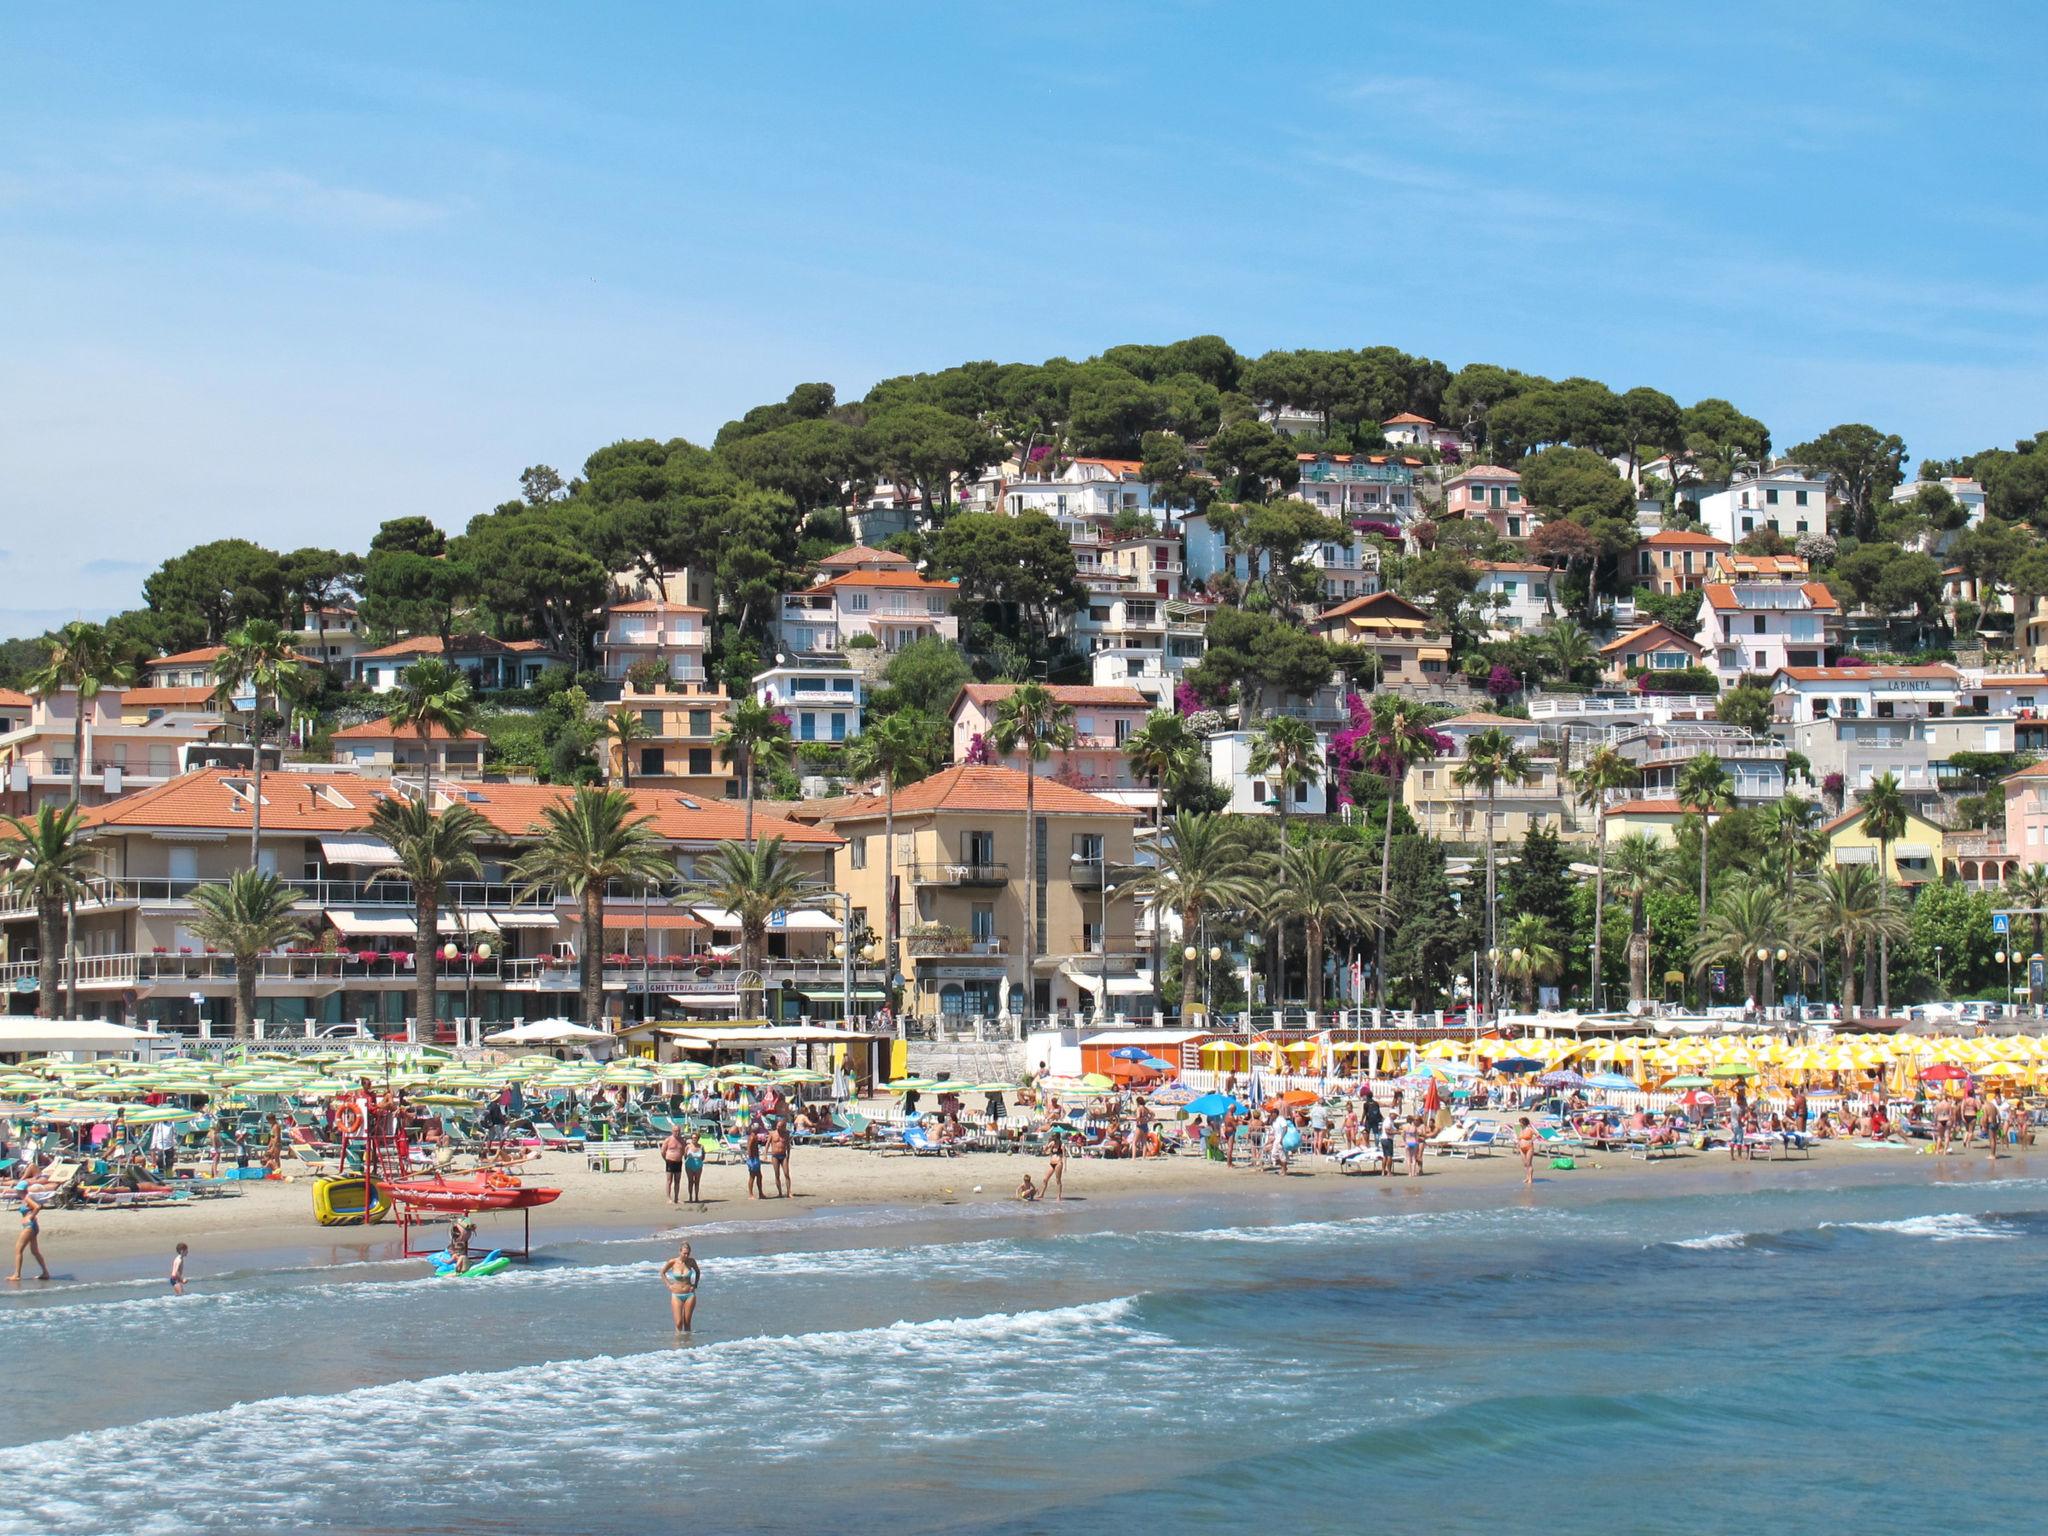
{"points": [[706, 999], [397, 925], [620, 920], [786, 922], [1911, 851], [755, 1034], [835, 994], [527, 919], [544, 1032], [1433, 653], [358, 851]]}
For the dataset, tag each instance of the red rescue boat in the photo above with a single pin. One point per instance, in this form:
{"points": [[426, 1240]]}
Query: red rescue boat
{"points": [[477, 1192]]}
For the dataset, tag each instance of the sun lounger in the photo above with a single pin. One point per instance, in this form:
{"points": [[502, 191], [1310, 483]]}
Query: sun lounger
{"points": [[918, 1142], [555, 1139]]}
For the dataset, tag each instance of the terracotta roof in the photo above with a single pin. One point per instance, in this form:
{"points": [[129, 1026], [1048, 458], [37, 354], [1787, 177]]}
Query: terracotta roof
{"points": [[991, 790], [1351, 607], [1407, 419], [653, 605], [1510, 565], [1689, 537], [205, 653], [384, 730], [887, 579], [1064, 693], [430, 645], [1646, 808], [1989, 680], [1120, 466], [1720, 594], [863, 554], [9, 699], [1486, 471], [342, 802], [1933, 671], [1625, 641], [1761, 565], [167, 698], [2031, 771]]}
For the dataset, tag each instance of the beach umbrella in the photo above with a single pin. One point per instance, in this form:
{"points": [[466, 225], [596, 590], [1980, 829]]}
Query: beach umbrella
{"points": [[1613, 1081], [1696, 1098], [1686, 1081], [1212, 1104], [1129, 1053], [1945, 1072], [1731, 1069], [1564, 1079], [1518, 1065], [1156, 1064], [1097, 1080], [910, 1085]]}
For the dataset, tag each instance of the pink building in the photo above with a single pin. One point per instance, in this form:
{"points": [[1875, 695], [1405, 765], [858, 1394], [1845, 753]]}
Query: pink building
{"points": [[135, 738], [896, 607], [1103, 719], [1488, 491], [671, 636]]}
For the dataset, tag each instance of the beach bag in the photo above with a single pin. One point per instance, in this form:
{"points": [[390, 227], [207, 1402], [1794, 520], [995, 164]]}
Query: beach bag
{"points": [[1290, 1140], [1564, 1163]]}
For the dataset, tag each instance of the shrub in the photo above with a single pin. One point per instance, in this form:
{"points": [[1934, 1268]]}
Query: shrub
{"points": [[861, 642], [1689, 680]]}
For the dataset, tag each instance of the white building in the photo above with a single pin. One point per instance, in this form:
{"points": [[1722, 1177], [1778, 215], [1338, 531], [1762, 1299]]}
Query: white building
{"points": [[1865, 693], [1230, 755], [1761, 626], [1968, 494], [1787, 500], [1517, 592], [1086, 487], [822, 697]]}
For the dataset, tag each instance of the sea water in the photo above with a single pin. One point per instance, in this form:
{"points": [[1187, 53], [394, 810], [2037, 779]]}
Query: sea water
{"points": [[1823, 1353]]}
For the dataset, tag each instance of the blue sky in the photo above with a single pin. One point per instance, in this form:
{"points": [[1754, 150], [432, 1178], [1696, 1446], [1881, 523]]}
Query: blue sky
{"points": [[284, 271]]}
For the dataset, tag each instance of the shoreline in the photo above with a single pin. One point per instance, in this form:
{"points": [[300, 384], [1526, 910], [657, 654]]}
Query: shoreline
{"points": [[270, 1226]]}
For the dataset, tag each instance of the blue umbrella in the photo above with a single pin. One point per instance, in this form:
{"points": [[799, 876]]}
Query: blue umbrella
{"points": [[1129, 1053], [1613, 1080], [1154, 1061], [1518, 1065], [1212, 1104]]}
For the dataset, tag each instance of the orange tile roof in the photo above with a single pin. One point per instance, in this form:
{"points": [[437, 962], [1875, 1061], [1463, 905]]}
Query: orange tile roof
{"points": [[11, 700], [1646, 808], [205, 653], [1510, 565], [1064, 693], [653, 605], [1625, 641], [1933, 671], [1685, 536], [1120, 466], [863, 554], [1407, 419], [167, 698], [887, 579], [384, 730], [1353, 606], [991, 789], [342, 802], [1720, 594]]}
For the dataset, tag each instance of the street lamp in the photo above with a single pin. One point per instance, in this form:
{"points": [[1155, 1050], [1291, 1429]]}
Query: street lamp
{"points": [[2005, 959], [1937, 970]]}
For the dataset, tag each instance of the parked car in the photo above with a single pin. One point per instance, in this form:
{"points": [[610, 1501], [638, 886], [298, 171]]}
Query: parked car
{"points": [[347, 1032]]}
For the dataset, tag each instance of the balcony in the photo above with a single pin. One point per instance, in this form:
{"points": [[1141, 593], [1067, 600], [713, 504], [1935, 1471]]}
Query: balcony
{"points": [[990, 874], [456, 896], [1976, 845], [929, 941]]}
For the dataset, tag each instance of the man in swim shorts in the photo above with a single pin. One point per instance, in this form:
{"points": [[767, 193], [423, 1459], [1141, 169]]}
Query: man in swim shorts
{"points": [[778, 1156], [682, 1276]]}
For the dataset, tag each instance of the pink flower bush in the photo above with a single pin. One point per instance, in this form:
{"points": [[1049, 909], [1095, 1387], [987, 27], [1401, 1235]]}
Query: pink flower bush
{"points": [[1364, 747], [1500, 682], [978, 754]]}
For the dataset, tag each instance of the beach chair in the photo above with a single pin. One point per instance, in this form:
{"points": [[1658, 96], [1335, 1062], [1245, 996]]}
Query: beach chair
{"points": [[308, 1158], [917, 1142], [1477, 1141], [555, 1139]]}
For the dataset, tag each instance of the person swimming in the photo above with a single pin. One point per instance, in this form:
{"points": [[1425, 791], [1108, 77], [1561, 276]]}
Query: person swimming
{"points": [[682, 1275]]}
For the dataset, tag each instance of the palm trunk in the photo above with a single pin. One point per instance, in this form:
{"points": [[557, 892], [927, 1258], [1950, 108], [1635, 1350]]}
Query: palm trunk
{"points": [[1279, 997], [256, 781], [1599, 901], [1848, 979], [78, 749], [747, 767], [426, 962], [245, 996], [426, 768], [1315, 969], [1706, 826], [1379, 938], [69, 960], [1884, 959], [1492, 910], [591, 973], [47, 927], [1030, 882]]}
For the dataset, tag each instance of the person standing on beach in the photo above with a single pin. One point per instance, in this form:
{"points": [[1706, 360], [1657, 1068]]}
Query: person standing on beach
{"points": [[1056, 1170], [1525, 1144], [779, 1148], [672, 1150], [29, 1240], [682, 1275], [693, 1170], [163, 1145], [756, 1141]]}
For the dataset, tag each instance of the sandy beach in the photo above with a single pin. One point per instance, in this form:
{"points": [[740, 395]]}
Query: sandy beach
{"points": [[274, 1217]]}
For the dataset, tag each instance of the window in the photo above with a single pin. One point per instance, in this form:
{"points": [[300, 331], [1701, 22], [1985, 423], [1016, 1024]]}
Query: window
{"points": [[1668, 661], [934, 604], [1087, 849], [1122, 728], [700, 760], [1749, 525], [1799, 498], [806, 726], [1745, 498], [1514, 495], [1771, 497], [1258, 791], [1301, 794], [838, 727], [651, 760], [857, 602], [978, 848], [1759, 622], [857, 853], [700, 722], [1800, 526], [1538, 592], [981, 922], [1514, 527]]}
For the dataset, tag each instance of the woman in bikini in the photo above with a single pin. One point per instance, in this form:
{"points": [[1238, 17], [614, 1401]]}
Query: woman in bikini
{"points": [[682, 1276], [29, 1240]]}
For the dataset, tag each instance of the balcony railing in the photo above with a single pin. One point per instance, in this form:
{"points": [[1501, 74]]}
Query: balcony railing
{"points": [[457, 896], [1976, 845], [992, 873]]}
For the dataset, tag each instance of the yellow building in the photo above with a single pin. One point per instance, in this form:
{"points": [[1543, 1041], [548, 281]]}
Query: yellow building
{"points": [[960, 891], [1914, 857], [1444, 808], [678, 750], [1658, 820]]}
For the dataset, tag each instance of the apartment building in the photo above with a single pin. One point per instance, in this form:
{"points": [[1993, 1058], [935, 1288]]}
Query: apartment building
{"points": [[1082, 487], [1866, 692], [1457, 812], [1788, 500], [960, 882], [1761, 626], [1517, 594], [378, 746], [518, 951], [659, 640], [135, 738], [1358, 487], [1494, 494], [1102, 719], [1649, 648], [1254, 793], [1673, 560], [894, 607], [490, 664], [823, 696], [1394, 630], [677, 749]]}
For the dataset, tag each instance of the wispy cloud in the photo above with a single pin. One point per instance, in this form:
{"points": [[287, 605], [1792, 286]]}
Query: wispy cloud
{"points": [[113, 567], [263, 194]]}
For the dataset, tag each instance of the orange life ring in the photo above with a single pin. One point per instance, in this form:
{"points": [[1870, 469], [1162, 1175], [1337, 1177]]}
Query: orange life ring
{"points": [[348, 1119], [497, 1180]]}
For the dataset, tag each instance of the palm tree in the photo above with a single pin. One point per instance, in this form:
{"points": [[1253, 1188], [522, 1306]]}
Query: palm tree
{"points": [[257, 655], [898, 749], [87, 658], [1285, 751], [1793, 842], [1202, 864], [1165, 751], [1401, 737], [43, 859], [1031, 720], [1749, 920], [753, 882], [431, 850], [1531, 955], [1638, 865], [1705, 787], [1849, 906], [1324, 884], [587, 841], [430, 696], [623, 727], [246, 916], [2028, 889], [1884, 818], [754, 733], [1571, 649], [1492, 757], [1604, 771]]}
